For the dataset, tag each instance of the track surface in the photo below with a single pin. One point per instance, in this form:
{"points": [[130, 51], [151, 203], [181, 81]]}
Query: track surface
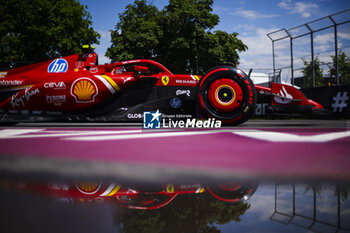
{"points": [[297, 149]]}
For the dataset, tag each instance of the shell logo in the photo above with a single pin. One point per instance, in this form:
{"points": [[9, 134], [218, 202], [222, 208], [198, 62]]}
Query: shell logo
{"points": [[88, 188], [84, 90]]}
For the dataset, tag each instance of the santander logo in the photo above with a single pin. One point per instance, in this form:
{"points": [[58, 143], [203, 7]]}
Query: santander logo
{"points": [[287, 97]]}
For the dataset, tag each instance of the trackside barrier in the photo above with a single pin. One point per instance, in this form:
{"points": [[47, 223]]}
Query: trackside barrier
{"points": [[336, 99]]}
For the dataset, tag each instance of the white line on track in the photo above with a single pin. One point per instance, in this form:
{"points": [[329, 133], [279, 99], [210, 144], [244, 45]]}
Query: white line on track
{"points": [[42, 133], [104, 135], [288, 137], [144, 135], [255, 134]]}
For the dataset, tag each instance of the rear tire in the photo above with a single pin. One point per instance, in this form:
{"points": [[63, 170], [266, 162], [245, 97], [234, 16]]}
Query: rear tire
{"points": [[227, 94]]}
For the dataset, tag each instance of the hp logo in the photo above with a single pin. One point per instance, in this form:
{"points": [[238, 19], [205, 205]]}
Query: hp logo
{"points": [[58, 65], [175, 103]]}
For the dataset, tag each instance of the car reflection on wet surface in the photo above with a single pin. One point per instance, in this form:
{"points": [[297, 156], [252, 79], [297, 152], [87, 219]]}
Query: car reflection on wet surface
{"points": [[240, 206], [177, 180]]}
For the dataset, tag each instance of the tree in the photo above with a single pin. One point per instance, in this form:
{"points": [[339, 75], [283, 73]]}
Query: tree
{"points": [[307, 72], [136, 34], [343, 68], [221, 47], [37, 30], [186, 213], [179, 36]]}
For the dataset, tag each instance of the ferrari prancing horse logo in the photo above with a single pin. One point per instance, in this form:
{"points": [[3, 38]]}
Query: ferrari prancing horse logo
{"points": [[170, 188], [165, 80]]}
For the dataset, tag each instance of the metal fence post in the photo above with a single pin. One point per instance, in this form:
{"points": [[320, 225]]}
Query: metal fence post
{"points": [[273, 60], [273, 56], [312, 56], [291, 58], [335, 50]]}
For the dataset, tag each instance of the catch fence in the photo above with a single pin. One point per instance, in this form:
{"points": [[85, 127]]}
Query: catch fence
{"points": [[309, 55]]}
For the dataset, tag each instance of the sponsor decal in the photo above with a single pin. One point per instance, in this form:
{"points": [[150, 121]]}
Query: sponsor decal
{"points": [[11, 82], [186, 81], [79, 64], [55, 85], [29, 93], [287, 97], [165, 80], [63, 187], [194, 77], [200, 190], [111, 190], [264, 92], [76, 70], [24, 112], [126, 79], [151, 120], [99, 200], [18, 101], [109, 83], [3, 74], [55, 113], [340, 101], [12, 111], [134, 116], [37, 112], [181, 92], [175, 103], [260, 109], [56, 99], [170, 188], [88, 189], [93, 70], [84, 90], [250, 91], [190, 186], [58, 65]]}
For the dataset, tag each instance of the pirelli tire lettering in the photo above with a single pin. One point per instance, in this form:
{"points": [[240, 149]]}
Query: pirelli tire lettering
{"points": [[227, 94]]}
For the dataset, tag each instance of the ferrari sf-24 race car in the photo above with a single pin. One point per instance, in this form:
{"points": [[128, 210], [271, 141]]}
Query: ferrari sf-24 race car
{"points": [[75, 87], [140, 197]]}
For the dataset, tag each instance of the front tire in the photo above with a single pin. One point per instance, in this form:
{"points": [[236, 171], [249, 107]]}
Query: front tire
{"points": [[227, 94]]}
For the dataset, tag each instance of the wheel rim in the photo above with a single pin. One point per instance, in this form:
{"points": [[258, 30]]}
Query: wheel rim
{"points": [[225, 95]]}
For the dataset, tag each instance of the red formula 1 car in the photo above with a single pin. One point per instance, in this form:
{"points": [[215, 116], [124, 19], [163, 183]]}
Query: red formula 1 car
{"points": [[143, 197], [75, 87]]}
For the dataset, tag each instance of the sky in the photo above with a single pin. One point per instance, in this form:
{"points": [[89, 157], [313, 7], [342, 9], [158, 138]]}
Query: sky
{"points": [[251, 19]]}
